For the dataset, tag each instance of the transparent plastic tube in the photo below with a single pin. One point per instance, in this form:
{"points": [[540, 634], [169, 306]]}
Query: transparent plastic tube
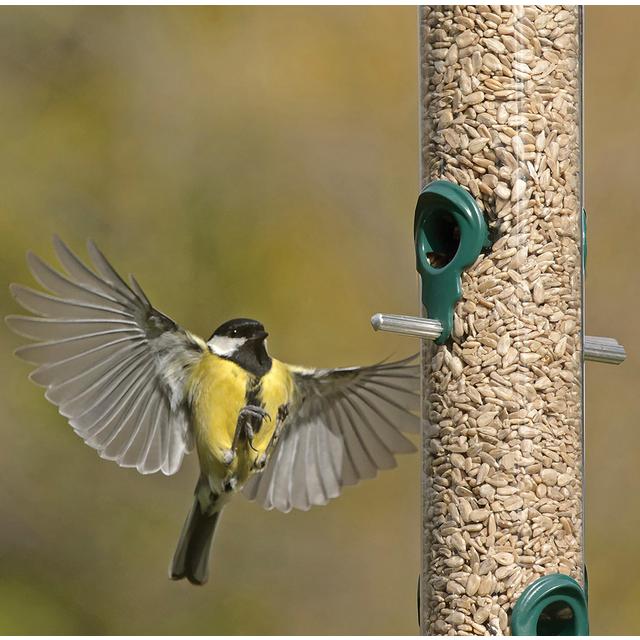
{"points": [[503, 418]]}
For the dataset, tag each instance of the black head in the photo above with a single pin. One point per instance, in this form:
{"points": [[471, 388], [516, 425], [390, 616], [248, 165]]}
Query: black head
{"points": [[241, 328], [242, 341]]}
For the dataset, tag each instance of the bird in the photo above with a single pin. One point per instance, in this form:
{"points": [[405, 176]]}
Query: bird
{"points": [[143, 392]]}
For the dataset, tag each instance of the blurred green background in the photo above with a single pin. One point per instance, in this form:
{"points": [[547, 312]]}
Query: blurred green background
{"points": [[263, 162]]}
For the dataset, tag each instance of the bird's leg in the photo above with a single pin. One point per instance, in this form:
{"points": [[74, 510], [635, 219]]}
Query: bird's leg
{"points": [[261, 461], [253, 417], [248, 425]]}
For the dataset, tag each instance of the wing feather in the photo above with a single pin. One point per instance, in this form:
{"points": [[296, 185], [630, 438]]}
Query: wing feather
{"points": [[137, 440], [363, 463], [329, 457], [386, 428], [109, 274], [179, 440], [325, 469], [56, 283], [113, 405], [115, 366], [91, 395], [382, 396], [67, 348], [75, 386], [59, 372], [51, 329], [378, 452], [150, 460], [116, 443], [317, 487], [283, 480], [51, 307], [349, 473], [81, 273], [298, 479]]}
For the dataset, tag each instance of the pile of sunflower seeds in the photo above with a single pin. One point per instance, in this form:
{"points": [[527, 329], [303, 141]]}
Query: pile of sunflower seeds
{"points": [[501, 111]]}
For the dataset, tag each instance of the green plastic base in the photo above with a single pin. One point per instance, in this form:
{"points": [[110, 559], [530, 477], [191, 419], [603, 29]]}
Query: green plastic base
{"points": [[553, 605]]}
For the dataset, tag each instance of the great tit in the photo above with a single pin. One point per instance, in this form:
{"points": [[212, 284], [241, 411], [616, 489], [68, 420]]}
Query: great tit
{"points": [[142, 391]]}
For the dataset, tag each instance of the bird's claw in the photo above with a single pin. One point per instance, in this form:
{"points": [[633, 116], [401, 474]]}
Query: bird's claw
{"points": [[250, 419], [249, 434], [251, 428], [254, 411]]}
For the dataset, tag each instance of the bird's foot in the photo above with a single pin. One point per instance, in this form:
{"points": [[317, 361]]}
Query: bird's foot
{"points": [[249, 422], [251, 418], [260, 462], [250, 411]]}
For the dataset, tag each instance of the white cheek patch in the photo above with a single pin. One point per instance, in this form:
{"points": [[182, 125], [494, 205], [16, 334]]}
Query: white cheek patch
{"points": [[225, 346]]}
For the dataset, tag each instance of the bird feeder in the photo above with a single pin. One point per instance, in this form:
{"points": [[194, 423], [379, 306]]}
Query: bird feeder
{"points": [[500, 247]]}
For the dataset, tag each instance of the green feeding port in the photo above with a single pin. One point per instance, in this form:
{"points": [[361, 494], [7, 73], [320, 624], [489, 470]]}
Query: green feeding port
{"points": [[553, 605], [450, 233]]}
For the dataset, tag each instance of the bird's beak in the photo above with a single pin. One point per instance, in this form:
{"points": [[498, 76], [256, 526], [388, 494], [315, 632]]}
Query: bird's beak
{"points": [[260, 335]]}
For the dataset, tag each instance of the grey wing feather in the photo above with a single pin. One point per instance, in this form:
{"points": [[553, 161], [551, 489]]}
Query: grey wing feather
{"points": [[343, 426], [114, 366]]}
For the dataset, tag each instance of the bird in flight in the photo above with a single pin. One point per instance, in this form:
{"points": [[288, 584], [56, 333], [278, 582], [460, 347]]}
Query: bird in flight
{"points": [[143, 392]]}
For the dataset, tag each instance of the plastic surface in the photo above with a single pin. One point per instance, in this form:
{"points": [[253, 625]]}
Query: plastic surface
{"points": [[544, 605], [584, 241], [450, 232]]}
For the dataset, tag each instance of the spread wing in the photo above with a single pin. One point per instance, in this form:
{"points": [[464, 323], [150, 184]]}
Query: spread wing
{"points": [[113, 365], [343, 425]]}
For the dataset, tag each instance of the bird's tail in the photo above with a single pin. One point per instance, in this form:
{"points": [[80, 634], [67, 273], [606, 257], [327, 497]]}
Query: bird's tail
{"points": [[191, 559]]}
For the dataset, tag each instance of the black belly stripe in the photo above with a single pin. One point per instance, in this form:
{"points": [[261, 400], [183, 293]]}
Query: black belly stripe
{"points": [[253, 392], [252, 397]]}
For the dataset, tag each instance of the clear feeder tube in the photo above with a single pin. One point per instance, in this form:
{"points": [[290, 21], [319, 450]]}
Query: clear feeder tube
{"points": [[501, 106]]}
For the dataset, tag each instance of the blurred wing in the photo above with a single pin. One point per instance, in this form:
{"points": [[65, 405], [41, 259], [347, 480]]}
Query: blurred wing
{"points": [[113, 365], [343, 425]]}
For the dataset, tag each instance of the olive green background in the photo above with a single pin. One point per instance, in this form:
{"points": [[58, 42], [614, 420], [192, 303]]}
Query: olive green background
{"points": [[264, 162]]}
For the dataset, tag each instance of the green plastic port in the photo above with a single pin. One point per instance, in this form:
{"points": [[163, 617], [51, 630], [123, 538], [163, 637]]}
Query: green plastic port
{"points": [[450, 232], [553, 605]]}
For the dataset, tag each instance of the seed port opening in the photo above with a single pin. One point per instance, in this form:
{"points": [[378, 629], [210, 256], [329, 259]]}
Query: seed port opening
{"points": [[442, 233], [557, 619]]}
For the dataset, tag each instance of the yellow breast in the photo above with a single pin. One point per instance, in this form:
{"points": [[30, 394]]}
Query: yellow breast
{"points": [[218, 389]]}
